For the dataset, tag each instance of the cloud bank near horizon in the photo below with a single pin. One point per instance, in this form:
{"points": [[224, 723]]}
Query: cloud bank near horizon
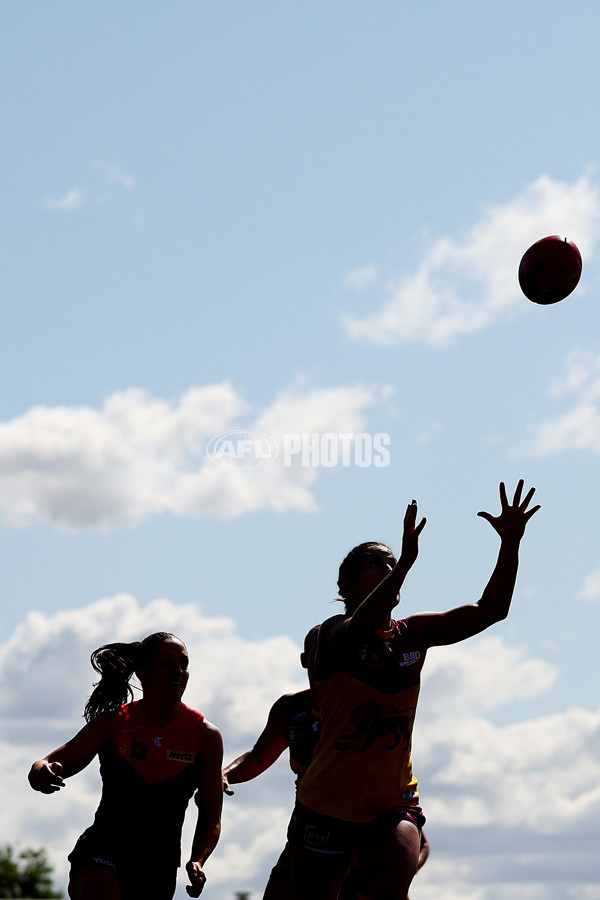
{"points": [[510, 808]]}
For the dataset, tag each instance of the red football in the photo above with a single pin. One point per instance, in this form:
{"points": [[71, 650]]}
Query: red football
{"points": [[550, 270]]}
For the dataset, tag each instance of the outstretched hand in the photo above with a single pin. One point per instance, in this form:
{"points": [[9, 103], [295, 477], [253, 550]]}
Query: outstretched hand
{"points": [[410, 535], [513, 518]]}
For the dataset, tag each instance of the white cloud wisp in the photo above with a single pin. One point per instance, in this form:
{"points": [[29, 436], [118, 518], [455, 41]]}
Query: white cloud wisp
{"points": [[465, 285]]}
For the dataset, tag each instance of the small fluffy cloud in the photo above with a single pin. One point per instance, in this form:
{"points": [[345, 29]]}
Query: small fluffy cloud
{"points": [[115, 175], [363, 278], [590, 589], [463, 285], [69, 202], [513, 811], [576, 425], [139, 456]]}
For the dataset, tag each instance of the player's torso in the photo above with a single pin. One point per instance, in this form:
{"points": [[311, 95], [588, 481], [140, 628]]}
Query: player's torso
{"points": [[149, 772], [362, 763]]}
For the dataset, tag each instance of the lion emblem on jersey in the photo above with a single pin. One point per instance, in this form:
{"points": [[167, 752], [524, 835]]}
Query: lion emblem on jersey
{"points": [[371, 723]]}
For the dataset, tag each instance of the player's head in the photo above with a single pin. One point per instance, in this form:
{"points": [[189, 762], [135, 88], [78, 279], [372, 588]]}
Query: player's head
{"points": [[162, 667], [117, 663], [307, 657], [362, 570]]}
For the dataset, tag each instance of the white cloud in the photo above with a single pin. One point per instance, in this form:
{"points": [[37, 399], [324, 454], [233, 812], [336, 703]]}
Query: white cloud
{"points": [[590, 589], [139, 456], [363, 278], [578, 426], [513, 811], [464, 285], [114, 175], [72, 200]]}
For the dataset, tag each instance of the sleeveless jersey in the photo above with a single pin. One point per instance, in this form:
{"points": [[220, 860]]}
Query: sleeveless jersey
{"points": [[362, 765], [301, 731], [148, 774]]}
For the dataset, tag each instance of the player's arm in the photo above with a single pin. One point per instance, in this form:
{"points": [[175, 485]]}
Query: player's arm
{"points": [[268, 748], [465, 621], [423, 851], [209, 800], [47, 775], [382, 600], [337, 632]]}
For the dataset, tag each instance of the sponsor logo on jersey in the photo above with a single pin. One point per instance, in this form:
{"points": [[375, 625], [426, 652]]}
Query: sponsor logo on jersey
{"points": [[411, 658], [158, 741], [104, 862], [182, 756]]}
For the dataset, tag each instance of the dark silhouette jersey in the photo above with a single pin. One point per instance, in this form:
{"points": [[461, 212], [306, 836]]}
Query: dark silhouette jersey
{"points": [[362, 765], [149, 773]]}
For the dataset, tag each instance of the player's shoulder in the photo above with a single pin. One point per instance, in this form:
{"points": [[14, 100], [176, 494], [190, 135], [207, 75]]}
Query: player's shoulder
{"points": [[332, 627], [211, 739], [191, 714], [208, 728], [104, 726], [290, 699], [290, 704]]}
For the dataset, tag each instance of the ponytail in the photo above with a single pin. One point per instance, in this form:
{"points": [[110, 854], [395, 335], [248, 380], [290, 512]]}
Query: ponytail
{"points": [[116, 665]]}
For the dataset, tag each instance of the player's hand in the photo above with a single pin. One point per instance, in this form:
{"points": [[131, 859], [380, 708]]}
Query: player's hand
{"points": [[513, 518], [227, 787], [410, 536], [197, 878], [46, 777]]}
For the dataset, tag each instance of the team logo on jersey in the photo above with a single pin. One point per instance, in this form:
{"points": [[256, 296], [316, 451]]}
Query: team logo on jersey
{"points": [[369, 656], [371, 723], [139, 751], [182, 756]]}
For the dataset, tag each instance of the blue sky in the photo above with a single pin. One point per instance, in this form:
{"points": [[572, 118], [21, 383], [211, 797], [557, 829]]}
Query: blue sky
{"points": [[304, 219]]}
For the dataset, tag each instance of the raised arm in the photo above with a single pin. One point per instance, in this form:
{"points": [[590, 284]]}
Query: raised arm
{"points": [[378, 606], [465, 621], [338, 632], [209, 800], [47, 775], [268, 748]]}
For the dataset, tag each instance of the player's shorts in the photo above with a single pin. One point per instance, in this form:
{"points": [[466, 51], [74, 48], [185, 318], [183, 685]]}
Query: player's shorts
{"points": [[282, 870], [150, 878], [326, 834]]}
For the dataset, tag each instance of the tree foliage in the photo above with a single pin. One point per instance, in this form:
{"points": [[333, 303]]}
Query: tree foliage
{"points": [[25, 874]]}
